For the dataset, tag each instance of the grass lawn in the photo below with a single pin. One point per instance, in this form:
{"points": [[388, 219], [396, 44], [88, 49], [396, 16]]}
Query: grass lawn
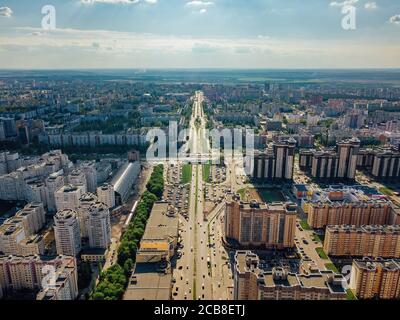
{"points": [[350, 295], [321, 253], [386, 191], [271, 195], [331, 266], [207, 173], [186, 173], [304, 224], [318, 238], [242, 193]]}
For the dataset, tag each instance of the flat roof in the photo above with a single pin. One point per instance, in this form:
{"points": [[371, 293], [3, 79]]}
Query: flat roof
{"points": [[161, 225], [149, 283]]}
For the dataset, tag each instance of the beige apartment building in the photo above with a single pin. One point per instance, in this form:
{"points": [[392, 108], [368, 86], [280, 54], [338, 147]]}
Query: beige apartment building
{"points": [[19, 273], [260, 224], [368, 212], [364, 241], [375, 279], [251, 282], [18, 234]]}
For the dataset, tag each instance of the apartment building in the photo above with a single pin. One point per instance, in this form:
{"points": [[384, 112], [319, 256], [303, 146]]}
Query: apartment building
{"points": [[325, 165], [78, 178], [99, 226], [365, 241], [375, 278], [106, 195], [332, 163], [90, 171], [54, 182], [347, 206], [276, 163], [85, 202], [348, 152], [254, 282], [19, 273], [17, 234], [67, 197], [67, 232], [386, 164], [260, 224]]}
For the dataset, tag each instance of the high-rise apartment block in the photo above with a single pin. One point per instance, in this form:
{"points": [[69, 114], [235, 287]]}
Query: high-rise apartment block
{"points": [[78, 178], [276, 163], [106, 195], [332, 164], [67, 197], [28, 273], [381, 163], [86, 201], [365, 241], [90, 171], [349, 207], [253, 282], [67, 232], [17, 234], [99, 226], [371, 279], [54, 182], [260, 224]]}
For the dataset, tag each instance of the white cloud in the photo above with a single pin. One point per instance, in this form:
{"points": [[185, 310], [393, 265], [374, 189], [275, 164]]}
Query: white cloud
{"points": [[117, 1], [343, 3], [395, 19], [5, 12], [371, 6], [199, 3]]}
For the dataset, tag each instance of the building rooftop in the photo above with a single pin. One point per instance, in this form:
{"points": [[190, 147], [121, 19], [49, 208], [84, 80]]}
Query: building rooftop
{"points": [[149, 282], [163, 222]]}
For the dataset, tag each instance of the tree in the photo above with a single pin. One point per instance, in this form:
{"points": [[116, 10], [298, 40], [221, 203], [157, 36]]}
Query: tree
{"points": [[128, 266], [98, 296]]}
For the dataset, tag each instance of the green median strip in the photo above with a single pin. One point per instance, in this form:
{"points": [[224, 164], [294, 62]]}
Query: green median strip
{"points": [[304, 224], [332, 267], [321, 253], [186, 173], [350, 295]]}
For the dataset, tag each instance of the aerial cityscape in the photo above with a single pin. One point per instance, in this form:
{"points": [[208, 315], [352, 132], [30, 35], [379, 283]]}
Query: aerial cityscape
{"points": [[193, 175]]}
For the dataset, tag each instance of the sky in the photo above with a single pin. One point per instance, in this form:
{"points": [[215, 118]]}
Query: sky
{"points": [[199, 34]]}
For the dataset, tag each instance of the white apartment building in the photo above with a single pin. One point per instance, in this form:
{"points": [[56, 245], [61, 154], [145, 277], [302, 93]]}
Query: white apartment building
{"points": [[36, 191], [67, 232], [67, 197], [78, 178], [99, 226], [90, 171], [54, 182], [106, 195], [86, 201]]}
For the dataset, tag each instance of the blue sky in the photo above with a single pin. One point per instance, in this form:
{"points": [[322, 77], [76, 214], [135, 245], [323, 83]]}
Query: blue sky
{"points": [[199, 34]]}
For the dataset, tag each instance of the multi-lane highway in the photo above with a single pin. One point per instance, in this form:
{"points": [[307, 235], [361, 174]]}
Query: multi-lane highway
{"points": [[203, 271]]}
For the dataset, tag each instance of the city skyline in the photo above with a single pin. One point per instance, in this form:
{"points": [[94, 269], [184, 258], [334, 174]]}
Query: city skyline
{"points": [[199, 34]]}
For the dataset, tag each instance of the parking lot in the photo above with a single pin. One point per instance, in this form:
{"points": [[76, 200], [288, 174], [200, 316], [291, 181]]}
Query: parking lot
{"points": [[178, 196], [217, 174], [307, 245]]}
